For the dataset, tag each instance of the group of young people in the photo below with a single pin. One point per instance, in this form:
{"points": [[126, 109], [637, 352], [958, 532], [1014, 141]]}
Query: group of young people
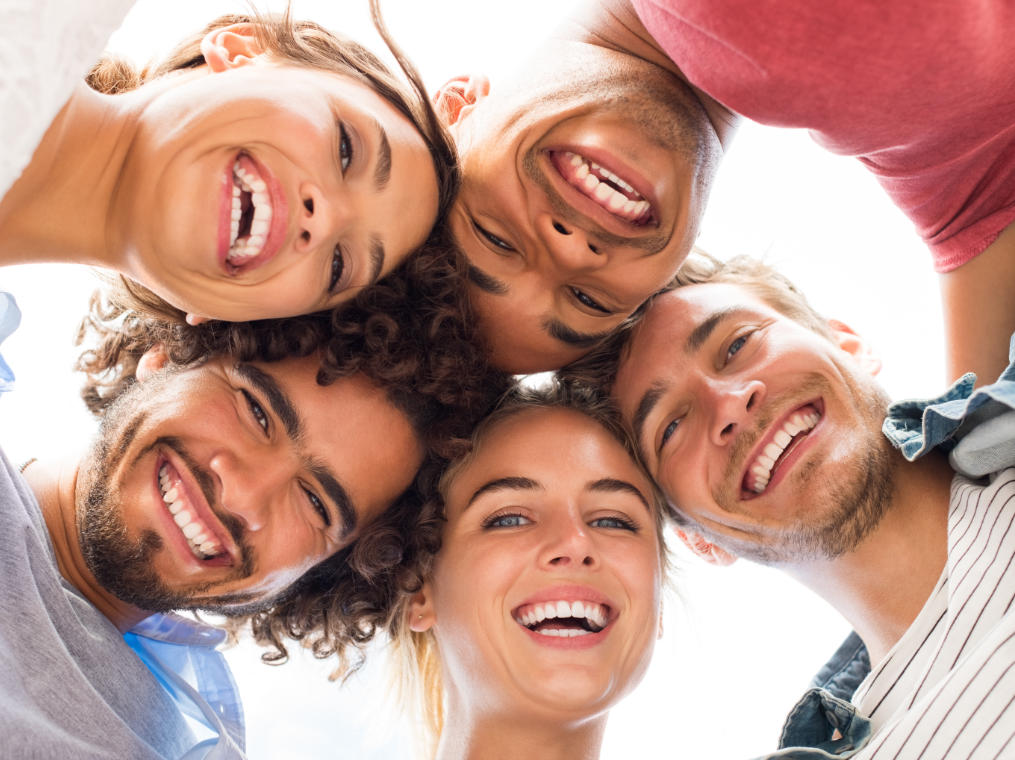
{"points": [[309, 422]]}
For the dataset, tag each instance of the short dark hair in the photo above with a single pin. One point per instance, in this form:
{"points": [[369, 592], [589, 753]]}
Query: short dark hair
{"points": [[412, 334]]}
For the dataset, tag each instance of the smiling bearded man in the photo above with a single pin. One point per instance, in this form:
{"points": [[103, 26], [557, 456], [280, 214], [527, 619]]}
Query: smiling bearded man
{"points": [[263, 471], [762, 424]]}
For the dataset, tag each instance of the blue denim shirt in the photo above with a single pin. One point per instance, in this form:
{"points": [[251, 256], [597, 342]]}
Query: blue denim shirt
{"points": [[977, 427], [10, 318]]}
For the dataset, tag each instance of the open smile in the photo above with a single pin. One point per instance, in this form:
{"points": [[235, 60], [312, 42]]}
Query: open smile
{"points": [[774, 455], [199, 530], [563, 618], [252, 224], [614, 192]]}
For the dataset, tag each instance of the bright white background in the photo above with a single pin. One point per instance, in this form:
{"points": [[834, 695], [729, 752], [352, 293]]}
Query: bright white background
{"points": [[740, 643]]}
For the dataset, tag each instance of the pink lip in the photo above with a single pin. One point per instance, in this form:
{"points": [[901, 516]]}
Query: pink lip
{"points": [[590, 208], [572, 593], [195, 498], [785, 463], [279, 217]]}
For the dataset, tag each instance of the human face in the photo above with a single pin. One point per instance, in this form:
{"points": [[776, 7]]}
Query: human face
{"points": [[582, 194], [332, 187], [276, 472], [718, 385], [550, 511]]}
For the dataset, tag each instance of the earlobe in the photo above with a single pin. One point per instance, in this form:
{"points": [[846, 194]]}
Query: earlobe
{"points": [[457, 97], [855, 346], [714, 555], [194, 320], [151, 362], [230, 47], [420, 612]]}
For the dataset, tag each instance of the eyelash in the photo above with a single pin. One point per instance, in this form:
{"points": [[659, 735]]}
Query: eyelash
{"points": [[344, 148], [493, 520], [502, 244], [586, 300], [318, 506], [337, 267], [258, 413], [739, 342], [498, 520]]}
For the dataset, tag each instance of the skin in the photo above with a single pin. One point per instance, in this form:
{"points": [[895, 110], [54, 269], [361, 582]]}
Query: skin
{"points": [[542, 252], [702, 408], [262, 492], [555, 533], [145, 198]]}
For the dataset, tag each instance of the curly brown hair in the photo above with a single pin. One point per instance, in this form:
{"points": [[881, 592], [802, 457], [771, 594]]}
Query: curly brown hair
{"points": [[413, 334]]}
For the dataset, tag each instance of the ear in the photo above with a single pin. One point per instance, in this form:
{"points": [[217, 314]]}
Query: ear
{"points": [[151, 362], [229, 47], [457, 97], [194, 320], [709, 552], [855, 346], [421, 613]]}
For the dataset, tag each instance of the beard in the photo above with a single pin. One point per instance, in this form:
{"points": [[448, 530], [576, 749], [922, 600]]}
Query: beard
{"points": [[124, 565], [852, 503]]}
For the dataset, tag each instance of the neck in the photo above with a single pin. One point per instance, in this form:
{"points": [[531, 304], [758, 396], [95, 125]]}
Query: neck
{"points": [[55, 487], [471, 736], [881, 585], [613, 24]]}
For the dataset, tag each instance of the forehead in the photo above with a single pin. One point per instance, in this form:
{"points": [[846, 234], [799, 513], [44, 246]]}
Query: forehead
{"points": [[559, 448]]}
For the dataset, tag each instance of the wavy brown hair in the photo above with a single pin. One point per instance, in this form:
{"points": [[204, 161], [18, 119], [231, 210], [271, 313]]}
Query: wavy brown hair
{"points": [[414, 335]]}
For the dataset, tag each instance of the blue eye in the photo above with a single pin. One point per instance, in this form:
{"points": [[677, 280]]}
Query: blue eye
{"points": [[506, 521], [319, 507], [669, 431], [344, 148], [736, 345], [256, 411], [500, 243], [615, 522]]}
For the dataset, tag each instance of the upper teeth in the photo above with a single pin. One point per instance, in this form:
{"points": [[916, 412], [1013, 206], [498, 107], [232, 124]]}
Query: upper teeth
{"points": [[761, 470], [588, 178], [531, 615], [198, 536], [243, 250]]}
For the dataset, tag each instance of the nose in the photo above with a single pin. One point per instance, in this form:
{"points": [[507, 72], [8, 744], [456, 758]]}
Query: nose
{"points": [[323, 219], [735, 402], [569, 247], [568, 544], [249, 482]]}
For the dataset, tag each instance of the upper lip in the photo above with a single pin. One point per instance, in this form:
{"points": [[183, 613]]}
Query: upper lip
{"points": [[769, 435], [592, 211], [195, 498]]}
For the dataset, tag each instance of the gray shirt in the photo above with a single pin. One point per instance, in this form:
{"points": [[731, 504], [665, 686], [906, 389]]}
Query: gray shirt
{"points": [[70, 687]]}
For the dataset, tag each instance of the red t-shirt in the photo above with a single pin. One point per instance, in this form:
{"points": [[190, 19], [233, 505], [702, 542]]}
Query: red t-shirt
{"points": [[922, 92]]}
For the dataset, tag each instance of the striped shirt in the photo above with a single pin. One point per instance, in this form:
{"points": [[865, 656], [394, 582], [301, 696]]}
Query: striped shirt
{"points": [[947, 688]]}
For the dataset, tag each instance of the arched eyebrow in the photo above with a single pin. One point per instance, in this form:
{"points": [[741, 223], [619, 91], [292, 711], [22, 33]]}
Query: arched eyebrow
{"points": [[613, 485], [505, 484], [382, 169]]}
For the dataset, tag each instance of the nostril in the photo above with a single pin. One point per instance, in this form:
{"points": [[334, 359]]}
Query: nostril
{"points": [[305, 236], [561, 228], [750, 401], [727, 430], [593, 248], [308, 204]]}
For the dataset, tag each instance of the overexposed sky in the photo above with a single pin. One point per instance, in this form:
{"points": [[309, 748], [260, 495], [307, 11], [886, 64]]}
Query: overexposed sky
{"points": [[740, 643]]}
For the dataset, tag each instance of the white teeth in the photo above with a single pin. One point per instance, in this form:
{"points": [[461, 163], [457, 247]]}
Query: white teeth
{"points": [[590, 611], [191, 529], [761, 469], [201, 543], [240, 251], [175, 507], [170, 495], [591, 182], [182, 517]]}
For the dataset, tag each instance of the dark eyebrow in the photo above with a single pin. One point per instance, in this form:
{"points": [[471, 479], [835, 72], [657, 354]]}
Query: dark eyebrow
{"points": [[382, 170], [612, 485], [702, 332], [376, 259], [483, 281], [565, 334], [285, 410], [645, 406], [503, 484]]}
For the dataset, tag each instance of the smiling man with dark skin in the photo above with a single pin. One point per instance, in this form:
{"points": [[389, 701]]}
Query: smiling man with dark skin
{"points": [[587, 174], [762, 424]]}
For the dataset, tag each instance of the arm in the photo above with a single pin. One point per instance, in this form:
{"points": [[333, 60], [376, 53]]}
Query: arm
{"points": [[978, 300]]}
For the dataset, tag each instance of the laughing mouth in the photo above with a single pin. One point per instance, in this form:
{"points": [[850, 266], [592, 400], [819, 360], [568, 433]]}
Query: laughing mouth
{"points": [[798, 425], [200, 538], [599, 184], [251, 214], [562, 618]]}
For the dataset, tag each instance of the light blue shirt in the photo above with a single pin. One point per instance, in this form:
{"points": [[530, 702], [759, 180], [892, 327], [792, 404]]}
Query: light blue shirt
{"points": [[10, 318]]}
